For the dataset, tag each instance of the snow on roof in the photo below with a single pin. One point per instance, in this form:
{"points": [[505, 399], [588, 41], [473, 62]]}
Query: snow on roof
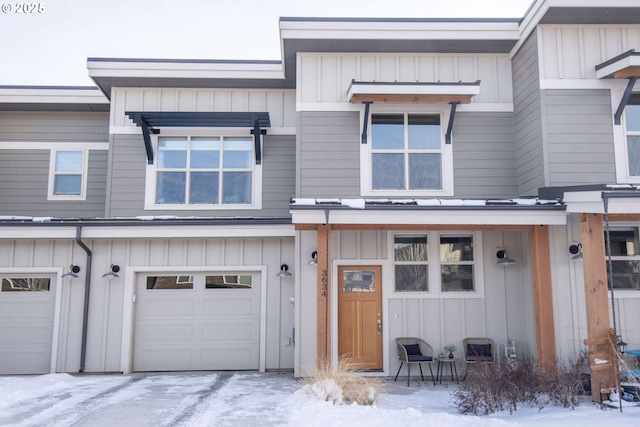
{"points": [[435, 202]]}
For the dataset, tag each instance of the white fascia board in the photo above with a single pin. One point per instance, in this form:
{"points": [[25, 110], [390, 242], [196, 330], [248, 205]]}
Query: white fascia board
{"points": [[529, 23], [53, 95], [631, 61], [500, 107], [386, 30], [593, 3], [146, 232], [412, 89], [196, 70], [607, 84], [440, 217], [591, 202]]}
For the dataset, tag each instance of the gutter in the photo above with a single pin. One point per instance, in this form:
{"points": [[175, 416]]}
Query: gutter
{"points": [[85, 313]]}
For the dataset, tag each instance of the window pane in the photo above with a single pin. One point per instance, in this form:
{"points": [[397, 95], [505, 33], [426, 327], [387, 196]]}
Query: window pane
{"points": [[457, 278], [26, 284], [632, 117], [410, 247], [238, 153], [67, 185], [169, 282], [236, 187], [424, 171], [172, 153], [68, 161], [624, 241], [387, 131], [204, 187], [633, 148], [412, 278], [229, 281], [170, 187], [359, 281], [388, 171], [626, 274], [456, 248], [205, 153], [424, 132]]}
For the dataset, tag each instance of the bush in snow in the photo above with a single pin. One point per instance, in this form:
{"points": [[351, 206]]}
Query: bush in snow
{"points": [[343, 384], [492, 387]]}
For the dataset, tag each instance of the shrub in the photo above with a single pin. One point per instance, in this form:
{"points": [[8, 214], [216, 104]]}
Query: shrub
{"points": [[492, 387], [343, 384]]}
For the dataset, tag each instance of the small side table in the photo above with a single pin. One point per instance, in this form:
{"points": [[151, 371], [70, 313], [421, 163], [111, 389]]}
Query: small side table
{"points": [[452, 368]]}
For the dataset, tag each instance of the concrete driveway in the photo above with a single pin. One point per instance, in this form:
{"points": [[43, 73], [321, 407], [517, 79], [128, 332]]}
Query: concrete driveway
{"points": [[147, 399]]}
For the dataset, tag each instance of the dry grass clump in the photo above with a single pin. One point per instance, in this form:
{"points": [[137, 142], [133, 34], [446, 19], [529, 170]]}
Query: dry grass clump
{"points": [[343, 384]]}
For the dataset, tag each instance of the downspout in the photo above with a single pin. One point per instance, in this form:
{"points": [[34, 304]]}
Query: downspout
{"points": [[85, 315]]}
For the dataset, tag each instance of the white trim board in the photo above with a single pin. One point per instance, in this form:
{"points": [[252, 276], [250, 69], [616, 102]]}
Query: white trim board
{"points": [[41, 145]]}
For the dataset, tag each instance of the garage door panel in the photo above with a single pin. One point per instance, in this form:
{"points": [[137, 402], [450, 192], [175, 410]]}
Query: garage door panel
{"points": [[214, 328], [230, 306], [226, 331], [30, 360], [32, 333], [36, 308], [147, 333], [156, 306]]}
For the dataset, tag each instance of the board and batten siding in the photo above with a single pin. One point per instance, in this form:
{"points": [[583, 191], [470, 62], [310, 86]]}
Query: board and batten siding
{"points": [[128, 179], [579, 137], [573, 51], [528, 119], [326, 77], [280, 104], [25, 170], [329, 154]]}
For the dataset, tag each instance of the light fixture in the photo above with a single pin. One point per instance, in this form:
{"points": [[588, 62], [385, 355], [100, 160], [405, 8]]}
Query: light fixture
{"points": [[314, 258], [72, 274], [622, 346], [284, 271], [503, 259], [112, 273], [576, 250]]}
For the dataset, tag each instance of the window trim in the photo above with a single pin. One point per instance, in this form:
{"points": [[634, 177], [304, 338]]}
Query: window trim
{"points": [[627, 292], [621, 154], [447, 153], [435, 284], [151, 172], [52, 175]]}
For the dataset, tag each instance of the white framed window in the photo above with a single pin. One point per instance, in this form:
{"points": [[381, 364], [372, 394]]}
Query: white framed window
{"points": [[437, 263], [68, 174], [632, 140], [204, 172], [406, 155], [625, 257], [626, 138]]}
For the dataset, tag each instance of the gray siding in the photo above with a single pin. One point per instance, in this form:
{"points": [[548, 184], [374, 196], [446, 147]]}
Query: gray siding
{"points": [[483, 155], [329, 154], [529, 157], [128, 169], [25, 172], [579, 137]]}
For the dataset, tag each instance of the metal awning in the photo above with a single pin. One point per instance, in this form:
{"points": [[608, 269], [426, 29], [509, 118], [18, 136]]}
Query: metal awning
{"points": [[622, 66], [151, 122]]}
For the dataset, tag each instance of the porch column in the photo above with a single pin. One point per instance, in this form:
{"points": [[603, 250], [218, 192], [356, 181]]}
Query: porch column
{"points": [[324, 294], [542, 296], [596, 299]]}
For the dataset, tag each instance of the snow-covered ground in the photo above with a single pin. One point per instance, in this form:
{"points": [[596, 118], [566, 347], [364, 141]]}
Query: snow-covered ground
{"points": [[253, 399]]}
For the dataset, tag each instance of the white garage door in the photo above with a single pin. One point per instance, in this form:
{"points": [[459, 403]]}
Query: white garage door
{"points": [[27, 305], [197, 322]]}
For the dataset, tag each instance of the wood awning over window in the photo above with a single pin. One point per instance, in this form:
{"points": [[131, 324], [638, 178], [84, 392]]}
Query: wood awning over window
{"points": [[621, 67], [413, 93]]}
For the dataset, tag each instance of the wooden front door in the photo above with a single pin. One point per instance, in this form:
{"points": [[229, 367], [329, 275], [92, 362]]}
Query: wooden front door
{"points": [[360, 315]]}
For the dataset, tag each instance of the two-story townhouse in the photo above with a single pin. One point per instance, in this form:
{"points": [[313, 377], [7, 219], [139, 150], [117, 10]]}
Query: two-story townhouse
{"points": [[390, 165]]}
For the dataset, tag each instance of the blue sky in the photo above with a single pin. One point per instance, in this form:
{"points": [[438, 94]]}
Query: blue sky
{"points": [[51, 47]]}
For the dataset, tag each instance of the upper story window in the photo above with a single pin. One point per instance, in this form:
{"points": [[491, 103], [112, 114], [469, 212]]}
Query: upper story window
{"points": [[67, 174], [625, 257], [407, 156], [204, 172], [632, 126]]}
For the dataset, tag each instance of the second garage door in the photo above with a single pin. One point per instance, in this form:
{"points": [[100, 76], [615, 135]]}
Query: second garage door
{"points": [[197, 322]]}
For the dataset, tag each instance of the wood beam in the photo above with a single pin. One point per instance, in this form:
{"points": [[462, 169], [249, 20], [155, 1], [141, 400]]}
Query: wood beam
{"points": [[624, 217], [627, 72], [420, 227], [542, 296], [324, 295], [596, 298], [410, 99]]}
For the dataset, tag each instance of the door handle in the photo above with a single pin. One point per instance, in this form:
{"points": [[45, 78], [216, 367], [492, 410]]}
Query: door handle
{"points": [[379, 327]]}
